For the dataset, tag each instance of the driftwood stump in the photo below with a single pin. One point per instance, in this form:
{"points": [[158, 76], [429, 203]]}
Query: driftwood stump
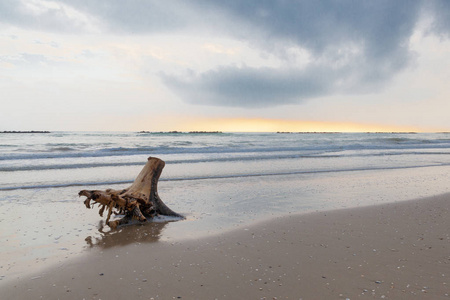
{"points": [[140, 201]]}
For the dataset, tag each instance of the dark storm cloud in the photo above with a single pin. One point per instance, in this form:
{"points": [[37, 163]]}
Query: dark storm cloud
{"points": [[370, 37], [319, 25], [247, 87], [354, 46], [440, 14], [264, 87]]}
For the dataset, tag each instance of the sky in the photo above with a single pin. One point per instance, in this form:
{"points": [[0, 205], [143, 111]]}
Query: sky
{"points": [[253, 65]]}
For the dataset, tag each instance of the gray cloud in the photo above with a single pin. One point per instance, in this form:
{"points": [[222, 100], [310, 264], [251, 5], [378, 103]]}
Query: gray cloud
{"points": [[314, 24], [354, 46], [440, 13], [317, 25], [47, 16], [265, 87], [136, 16], [26, 59], [37, 16], [110, 16], [247, 87]]}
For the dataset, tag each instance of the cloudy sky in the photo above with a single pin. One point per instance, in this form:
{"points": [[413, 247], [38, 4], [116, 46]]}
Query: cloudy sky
{"points": [[253, 65]]}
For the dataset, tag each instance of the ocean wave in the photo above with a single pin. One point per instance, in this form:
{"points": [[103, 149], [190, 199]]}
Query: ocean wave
{"points": [[72, 146], [75, 165], [15, 165], [151, 151], [65, 166], [412, 141], [61, 149], [213, 177]]}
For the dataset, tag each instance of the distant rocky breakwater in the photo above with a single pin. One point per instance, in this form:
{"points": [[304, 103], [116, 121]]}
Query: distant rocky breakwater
{"points": [[32, 131]]}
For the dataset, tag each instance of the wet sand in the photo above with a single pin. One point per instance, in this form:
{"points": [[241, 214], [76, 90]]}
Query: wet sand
{"points": [[390, 251]]}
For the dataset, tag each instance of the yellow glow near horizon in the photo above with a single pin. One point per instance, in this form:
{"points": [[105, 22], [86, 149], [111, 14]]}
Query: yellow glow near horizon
{"points": [[274, 125]]}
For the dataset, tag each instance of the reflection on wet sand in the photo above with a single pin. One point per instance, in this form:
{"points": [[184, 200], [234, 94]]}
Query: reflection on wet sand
{"points": [[148, 232]]}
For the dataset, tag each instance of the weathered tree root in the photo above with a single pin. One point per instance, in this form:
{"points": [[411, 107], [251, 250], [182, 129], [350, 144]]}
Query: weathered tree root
{"points": [[140, 201]]}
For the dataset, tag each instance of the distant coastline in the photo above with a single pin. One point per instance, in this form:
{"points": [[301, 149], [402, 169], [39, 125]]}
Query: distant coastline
{"points": [[332, 132], [183, 132], [307, 132], [32, 131]]}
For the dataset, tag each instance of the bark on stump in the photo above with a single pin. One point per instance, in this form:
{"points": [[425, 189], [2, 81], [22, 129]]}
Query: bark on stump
{"points": [[139, 201]]}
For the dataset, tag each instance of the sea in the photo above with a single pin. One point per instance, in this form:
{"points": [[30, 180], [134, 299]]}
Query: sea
{"points": [[219, 181]]}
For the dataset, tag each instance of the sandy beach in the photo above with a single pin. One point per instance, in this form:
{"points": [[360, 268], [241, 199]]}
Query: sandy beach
{"points": [[390, 251]]}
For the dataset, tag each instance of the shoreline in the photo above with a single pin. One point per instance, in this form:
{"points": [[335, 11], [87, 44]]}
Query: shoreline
{"points": [[392, 250]]}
